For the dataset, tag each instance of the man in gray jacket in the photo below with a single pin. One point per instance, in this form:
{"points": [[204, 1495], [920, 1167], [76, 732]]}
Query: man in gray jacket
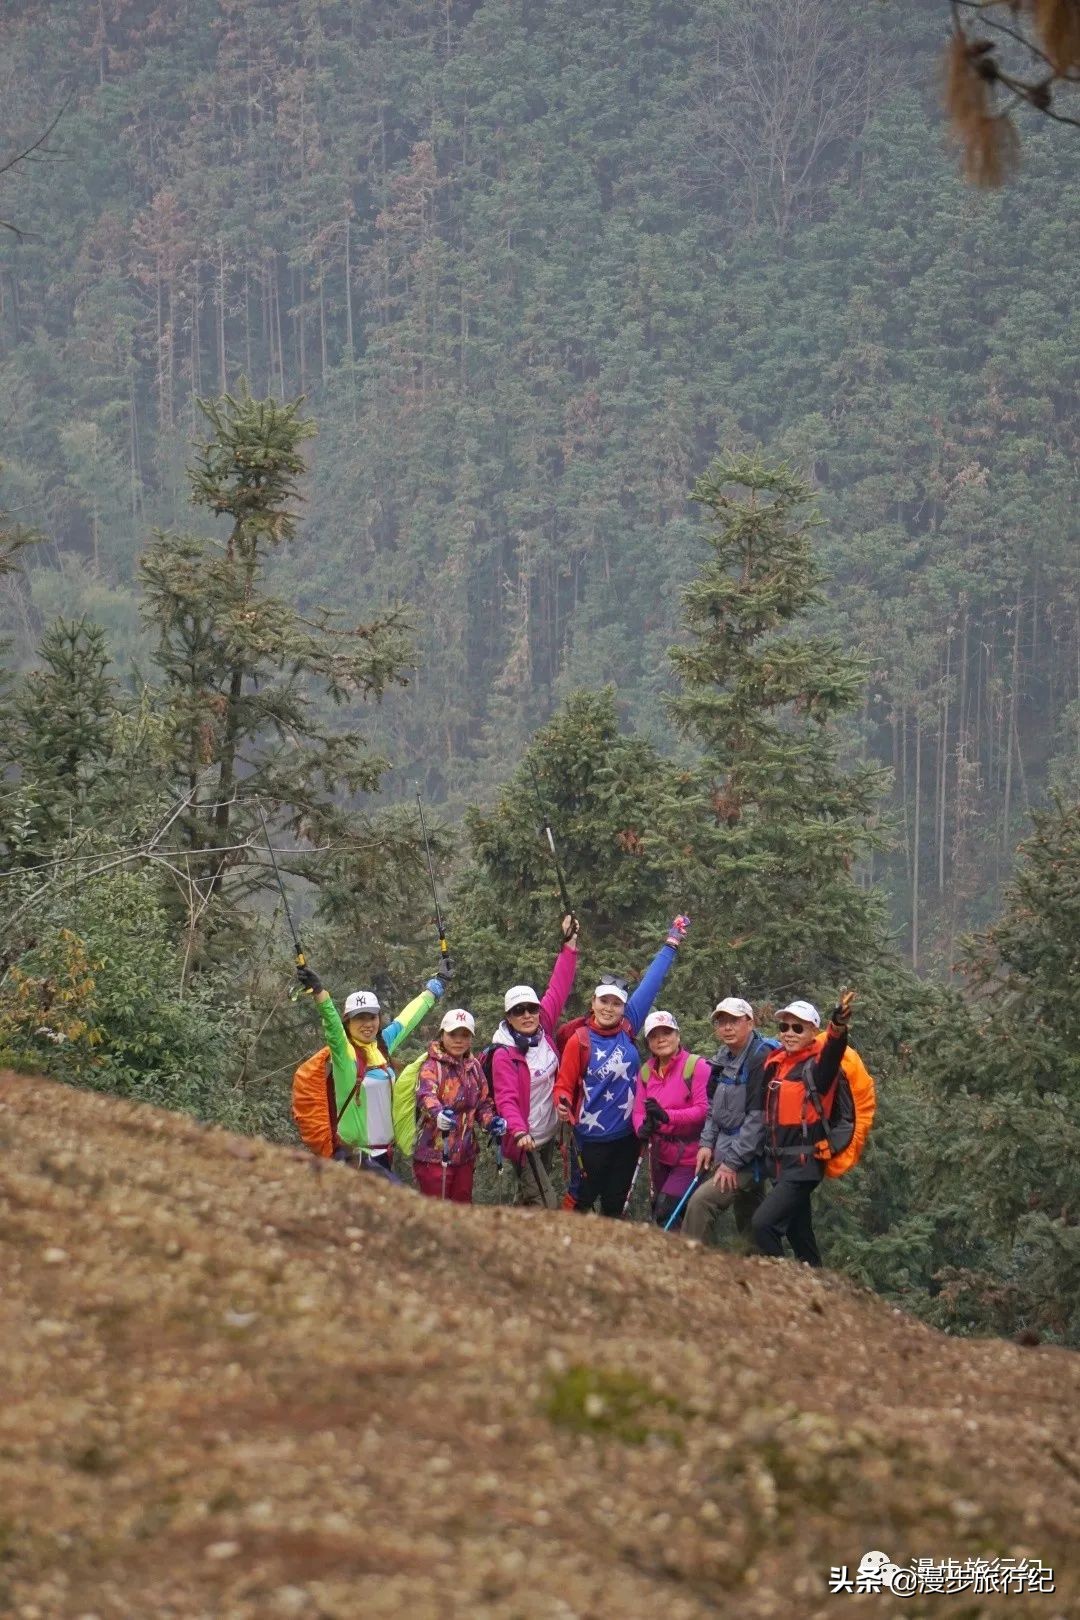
{"points": [[734, 1130]]}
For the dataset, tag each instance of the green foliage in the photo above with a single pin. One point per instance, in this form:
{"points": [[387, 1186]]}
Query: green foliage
{"points": [[241, 664], [999, 1140], [767, 833], [531, 265], [58, 736], [613, 1405], [596, 784], [98, 1000]]}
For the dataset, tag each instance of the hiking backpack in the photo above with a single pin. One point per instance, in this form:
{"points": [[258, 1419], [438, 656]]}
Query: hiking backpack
{"points": [[314, 1107], [691, 1063], [403, 1110], [313, 1104], [767, 1043], [848, 1122]]}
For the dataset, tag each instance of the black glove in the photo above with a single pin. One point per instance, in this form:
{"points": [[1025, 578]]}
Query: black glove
{"points": [[445, 970], [570, 928], [841, 1013], [308, 980], [646, 1128], [658, 1115]]}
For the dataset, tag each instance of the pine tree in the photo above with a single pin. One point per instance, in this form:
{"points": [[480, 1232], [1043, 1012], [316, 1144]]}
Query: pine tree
{"points": [[58, 739], [1000, 1141], [766, 841], [244, 668], [595, 784]]}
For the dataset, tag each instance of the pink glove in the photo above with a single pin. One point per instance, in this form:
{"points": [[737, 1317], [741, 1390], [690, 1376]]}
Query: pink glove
{"points": [[678, 929]]}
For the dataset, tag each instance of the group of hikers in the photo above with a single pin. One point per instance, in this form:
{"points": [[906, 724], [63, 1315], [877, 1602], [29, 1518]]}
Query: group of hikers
{"points": [[754, 1129]]}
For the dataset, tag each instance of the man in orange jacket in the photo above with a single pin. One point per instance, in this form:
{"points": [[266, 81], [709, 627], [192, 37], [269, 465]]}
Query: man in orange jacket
{"points": [[800, 1084]]}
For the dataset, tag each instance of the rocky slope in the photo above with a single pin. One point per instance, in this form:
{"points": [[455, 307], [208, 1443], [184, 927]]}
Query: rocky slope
{"points": [[240, 1385]]}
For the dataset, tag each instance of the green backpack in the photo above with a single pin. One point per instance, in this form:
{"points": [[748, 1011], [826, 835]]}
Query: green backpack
{"points": [[403, 1106]]}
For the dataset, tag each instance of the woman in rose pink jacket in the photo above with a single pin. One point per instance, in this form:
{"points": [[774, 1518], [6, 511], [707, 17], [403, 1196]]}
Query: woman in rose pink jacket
{"points": [[669, 1110], [524, 1065]]}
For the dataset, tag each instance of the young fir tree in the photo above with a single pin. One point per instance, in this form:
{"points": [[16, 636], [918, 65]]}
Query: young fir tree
{"points": [[58, 737], [765, 841], [999, 1143], [249, 678], [595, 784]]}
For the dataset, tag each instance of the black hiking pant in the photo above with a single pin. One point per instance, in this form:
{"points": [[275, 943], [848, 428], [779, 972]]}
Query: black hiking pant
{"points": [[607, 1171], [785, 1212]]}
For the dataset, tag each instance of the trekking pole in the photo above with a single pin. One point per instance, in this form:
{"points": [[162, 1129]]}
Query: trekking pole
{"points": [[445, 1163], [443, 946], [301, 959], [500, 1164], [546, 823], [677, 1211], [633, 1179], [535, 1168]]}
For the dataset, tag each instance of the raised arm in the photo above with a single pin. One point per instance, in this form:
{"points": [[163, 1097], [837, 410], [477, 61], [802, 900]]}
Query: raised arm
{"points": [[412, 1014], [561, 982], [827, 1063], [647, 991], [342, 1056]]}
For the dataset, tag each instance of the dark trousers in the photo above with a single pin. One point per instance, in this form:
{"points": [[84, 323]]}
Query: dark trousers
{"points": [[785, 1212], [382, 1162], [607, 1171]]}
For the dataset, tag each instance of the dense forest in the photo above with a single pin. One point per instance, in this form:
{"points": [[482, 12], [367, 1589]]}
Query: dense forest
{"points": [[527, 314]]}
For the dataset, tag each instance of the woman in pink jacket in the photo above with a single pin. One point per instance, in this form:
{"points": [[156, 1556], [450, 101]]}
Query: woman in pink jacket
{"points": [[669, 1110], [524, 1065]]}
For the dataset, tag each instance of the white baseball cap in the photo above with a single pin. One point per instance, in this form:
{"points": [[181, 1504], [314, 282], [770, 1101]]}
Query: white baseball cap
{"points": [[615, 990], [735, 1006], [803, 1010], [517, 994], [361, 1001], [458, 1018], [658, 1020]]}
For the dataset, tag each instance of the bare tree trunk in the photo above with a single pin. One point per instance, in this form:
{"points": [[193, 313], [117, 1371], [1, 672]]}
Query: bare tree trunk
{"points": [[322, 321], [301, 305], [133, 448], [915, 854], [223, 376], [349, 344], [904, 786], [196, 388], [1011, 731], [276, 295], [943, 765]]}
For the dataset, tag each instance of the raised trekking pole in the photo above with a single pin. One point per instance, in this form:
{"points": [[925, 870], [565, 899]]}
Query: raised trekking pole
{"points": [[545, 820], [677, 1211], [443, 946], [301, 959]]}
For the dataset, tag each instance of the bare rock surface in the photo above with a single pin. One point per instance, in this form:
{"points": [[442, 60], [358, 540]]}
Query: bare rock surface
{"points": [[238, 1384]]}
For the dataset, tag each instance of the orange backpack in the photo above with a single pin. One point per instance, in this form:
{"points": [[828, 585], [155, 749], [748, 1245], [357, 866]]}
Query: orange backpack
{"points": [[313, 1103], [850, 1116]]}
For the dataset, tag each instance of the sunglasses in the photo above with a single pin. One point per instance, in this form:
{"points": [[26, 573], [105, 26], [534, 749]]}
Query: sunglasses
{"points": [[615, 981], [523, 1009], [792, 1028]]}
